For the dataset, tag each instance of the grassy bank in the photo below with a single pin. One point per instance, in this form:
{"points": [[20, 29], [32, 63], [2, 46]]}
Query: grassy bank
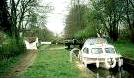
{"points": [[53, 62], [7, 64], [125, 48]]}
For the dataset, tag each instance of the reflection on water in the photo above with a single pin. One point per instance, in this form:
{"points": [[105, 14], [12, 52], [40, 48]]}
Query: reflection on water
{"points": [[111, 73]]}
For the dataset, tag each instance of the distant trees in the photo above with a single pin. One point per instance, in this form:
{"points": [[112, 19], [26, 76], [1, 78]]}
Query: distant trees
{"points": [[108, 18], [75, 20], [43, 34], [109, 13], [78, 24], [114, 15], [35, 22]]}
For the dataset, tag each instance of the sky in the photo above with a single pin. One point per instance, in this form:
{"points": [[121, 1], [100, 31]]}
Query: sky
{"points": [[56, 19]]}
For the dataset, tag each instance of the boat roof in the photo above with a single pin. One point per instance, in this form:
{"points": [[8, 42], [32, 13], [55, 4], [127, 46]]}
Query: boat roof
{"points": [[93, 41], [101, 46], [97, 43]]}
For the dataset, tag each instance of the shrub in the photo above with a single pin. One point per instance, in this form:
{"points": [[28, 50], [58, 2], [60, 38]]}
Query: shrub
{"points": [[12, 47]]}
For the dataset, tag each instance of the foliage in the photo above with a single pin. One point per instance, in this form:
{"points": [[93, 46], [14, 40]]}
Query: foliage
{"points": [[42, 34], [76, 20], [109, 13], [124, 34], [86, 33], [7, 64], [12, 22], [129, 17], [11, 47], [5, 24], [17, 12], [2, 37], [115, 15], [19, 15]]}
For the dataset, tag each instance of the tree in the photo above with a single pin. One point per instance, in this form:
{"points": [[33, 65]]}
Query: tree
{"points": [[43, 34], [5, 20], [19, 11], [76, 20], [129, 17], [110, 12]]}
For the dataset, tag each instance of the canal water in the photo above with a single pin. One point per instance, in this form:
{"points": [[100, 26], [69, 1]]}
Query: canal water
{"points": [[123, 72]]}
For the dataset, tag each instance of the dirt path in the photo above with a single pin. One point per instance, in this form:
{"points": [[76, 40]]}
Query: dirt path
{"points": [[23, 64]]}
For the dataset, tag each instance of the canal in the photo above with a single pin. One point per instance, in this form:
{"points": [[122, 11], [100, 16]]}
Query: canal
{"points": [[124, 72]]}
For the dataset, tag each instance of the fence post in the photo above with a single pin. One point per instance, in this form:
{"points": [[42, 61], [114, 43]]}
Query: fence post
{"points": [[71, 52]]}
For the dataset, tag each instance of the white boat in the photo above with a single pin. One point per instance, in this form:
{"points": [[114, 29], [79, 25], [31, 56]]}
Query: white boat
{"points": [[98, 51]]}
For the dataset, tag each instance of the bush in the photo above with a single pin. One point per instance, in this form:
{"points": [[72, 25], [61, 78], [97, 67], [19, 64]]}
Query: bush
{"points": [[12, 47], [86, 33]]}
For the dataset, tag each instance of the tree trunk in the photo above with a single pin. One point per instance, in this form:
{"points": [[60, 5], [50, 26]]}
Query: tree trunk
{"points": [[5, 20]]}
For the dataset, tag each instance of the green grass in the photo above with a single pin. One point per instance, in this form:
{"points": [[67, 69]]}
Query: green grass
{"points": [[7, 64], [125, 48], [52, 63]]}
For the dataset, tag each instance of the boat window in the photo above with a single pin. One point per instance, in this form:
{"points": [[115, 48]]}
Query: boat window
{"points": [[109, 50], [85, 50], [97, 50]]}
